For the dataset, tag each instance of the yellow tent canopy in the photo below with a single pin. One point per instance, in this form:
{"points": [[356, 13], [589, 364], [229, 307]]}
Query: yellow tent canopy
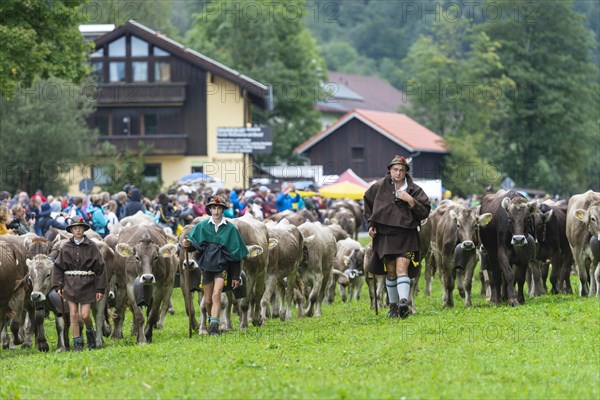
{"points": [[343, 190]]}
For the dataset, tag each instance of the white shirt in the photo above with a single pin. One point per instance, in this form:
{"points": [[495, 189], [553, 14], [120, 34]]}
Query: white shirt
{"points": [[212, 221]]}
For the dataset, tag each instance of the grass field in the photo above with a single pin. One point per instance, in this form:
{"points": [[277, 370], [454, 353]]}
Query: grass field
{"points": [[547, 349]]}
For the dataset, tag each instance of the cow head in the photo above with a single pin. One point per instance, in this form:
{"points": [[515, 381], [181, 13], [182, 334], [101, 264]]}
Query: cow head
{"points": [[519, 213], [144, 257], [467, 223], [39, 276], [36, 246], [539, 219], [354, 264], [590, 217]]}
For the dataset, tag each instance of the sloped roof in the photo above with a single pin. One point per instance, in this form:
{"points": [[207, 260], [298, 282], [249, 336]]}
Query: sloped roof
{"points": [[256, 89], [360, 91], [399, 128], [350, 176]]}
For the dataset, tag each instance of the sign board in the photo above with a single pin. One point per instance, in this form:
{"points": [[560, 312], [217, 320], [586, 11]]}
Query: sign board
{"points": [[86, 185], [253, 140]]}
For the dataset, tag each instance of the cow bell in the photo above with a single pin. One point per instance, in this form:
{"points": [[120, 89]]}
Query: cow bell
{"points": [[595, 247], [142, 293], [55, 302]]}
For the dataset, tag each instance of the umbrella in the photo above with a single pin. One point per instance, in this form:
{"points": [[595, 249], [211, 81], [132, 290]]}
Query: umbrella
{"points": [[343, 190], [200, 176]]}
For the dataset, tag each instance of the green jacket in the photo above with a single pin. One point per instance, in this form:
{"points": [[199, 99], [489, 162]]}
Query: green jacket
{"points": [[228, 236]]}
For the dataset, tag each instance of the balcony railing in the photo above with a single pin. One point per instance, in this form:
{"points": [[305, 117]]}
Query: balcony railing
{"points": [[127, 94], [170, 144]]}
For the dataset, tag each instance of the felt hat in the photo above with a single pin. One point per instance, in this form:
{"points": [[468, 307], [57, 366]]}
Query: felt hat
{"points": [[218, 200], [77, 221], [399, 160]]}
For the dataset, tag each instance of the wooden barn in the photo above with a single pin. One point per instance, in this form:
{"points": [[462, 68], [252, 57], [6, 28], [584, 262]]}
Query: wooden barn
{"points": [[366, 141]]}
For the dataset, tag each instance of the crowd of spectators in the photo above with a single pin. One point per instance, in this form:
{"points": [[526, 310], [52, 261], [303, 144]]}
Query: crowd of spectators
{"points": [[20, 214]]}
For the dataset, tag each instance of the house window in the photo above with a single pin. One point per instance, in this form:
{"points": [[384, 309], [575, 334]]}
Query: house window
{"points": [[117, 48], [102, 123], [97, 71], [150, 124], [139, 71], [139, 48], [199, 168], [117, 72], [97, 53], [101, 174], [162, 71], [152, 172], [358, 153], [160, 52]]}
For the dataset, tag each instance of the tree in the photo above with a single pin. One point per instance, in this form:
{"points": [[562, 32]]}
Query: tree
{"points": [[550, 138], [268, 42], [455, 84], [40, 38], [44, 136], [154, 14]]}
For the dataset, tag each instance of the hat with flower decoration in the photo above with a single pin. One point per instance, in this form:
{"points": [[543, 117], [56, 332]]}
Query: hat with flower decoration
{"points": [[77, 221], [218, 200], [400, 160]]}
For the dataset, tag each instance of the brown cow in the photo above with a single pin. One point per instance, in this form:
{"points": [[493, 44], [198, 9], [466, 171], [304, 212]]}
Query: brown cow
{"points": [[349, 271], [10, 273], [583, 224], [39, 278], [143, 255], [453, 244], [374, 292], [320, 245], [284, 263], [254, 233], [507, 242]]}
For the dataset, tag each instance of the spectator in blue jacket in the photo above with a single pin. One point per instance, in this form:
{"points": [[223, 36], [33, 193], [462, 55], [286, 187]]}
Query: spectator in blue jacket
{"points": [[99, 220], [289, 199], [45, 221], [236, 200]]}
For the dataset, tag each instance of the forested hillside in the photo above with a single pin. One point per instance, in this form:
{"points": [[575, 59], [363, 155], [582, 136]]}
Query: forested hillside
{"points": [[512, 86]]}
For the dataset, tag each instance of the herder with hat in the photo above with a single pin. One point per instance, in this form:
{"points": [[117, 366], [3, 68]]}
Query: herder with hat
{"points": [[220, 248], [80, 277], [394, 208]]}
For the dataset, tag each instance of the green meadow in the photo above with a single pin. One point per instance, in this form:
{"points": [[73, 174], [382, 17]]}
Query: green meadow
{"points": [[547, 349]]}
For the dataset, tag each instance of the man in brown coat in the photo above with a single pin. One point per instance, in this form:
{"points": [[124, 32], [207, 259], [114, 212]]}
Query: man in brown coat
{"points": [[394, 208], [80, 276]]}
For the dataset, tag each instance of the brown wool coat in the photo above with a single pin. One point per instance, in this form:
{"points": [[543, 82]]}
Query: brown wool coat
{"points": [[385, 214], [80, 289]]}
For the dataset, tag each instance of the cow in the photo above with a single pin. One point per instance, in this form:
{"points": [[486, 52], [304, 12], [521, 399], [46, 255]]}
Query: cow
{"points": [[453, 245], [338, 232], [507, 242], [39, 278], [351, 206], [345, 218], [100, 308], [20, 303], [293, 217], [583, 224], [553, 246], [349, 271], [317, 263], [143, 260], [254, 233], [10, 273], [375, 283], [284, 263]]}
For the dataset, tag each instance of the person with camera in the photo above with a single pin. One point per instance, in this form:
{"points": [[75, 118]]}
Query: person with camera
{"points": [[394, 207], [220, 248], [19, 224]]}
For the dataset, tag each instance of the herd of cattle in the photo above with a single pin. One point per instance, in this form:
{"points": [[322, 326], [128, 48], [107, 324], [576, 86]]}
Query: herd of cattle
{"points": [[297, 262]]}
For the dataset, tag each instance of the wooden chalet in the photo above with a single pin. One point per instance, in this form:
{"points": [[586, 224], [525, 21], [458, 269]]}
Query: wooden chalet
{"points": [[366, 141], [155, 91]]}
